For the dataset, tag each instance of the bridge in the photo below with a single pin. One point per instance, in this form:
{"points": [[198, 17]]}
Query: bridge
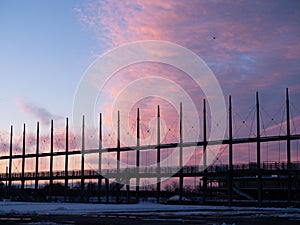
{"points": [[258, 181]]}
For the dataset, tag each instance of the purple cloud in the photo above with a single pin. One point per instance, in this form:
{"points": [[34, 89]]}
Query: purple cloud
{"points": [[42, 114]]}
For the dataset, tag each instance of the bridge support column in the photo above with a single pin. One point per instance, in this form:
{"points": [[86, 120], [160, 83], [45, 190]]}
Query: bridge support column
{"points": [[204, 153], [288, 147], [51, 162], [82, 162], [230, 177], [180, 155], [259, 176], [137, 187], [23, 161], [100, 160], [118, 159], [10, 161], [36, 183], [158, 182], [66, 161]]}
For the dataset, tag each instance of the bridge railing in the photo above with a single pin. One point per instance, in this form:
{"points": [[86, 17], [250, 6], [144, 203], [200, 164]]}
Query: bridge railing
{"points": [[270, 166]]}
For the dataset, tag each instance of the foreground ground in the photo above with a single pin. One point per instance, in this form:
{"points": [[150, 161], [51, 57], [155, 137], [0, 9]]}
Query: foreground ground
{"points": [[138, 214]]}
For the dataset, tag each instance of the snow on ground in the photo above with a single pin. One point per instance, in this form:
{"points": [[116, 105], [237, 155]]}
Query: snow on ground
{"points": [[75, 208], [142, 208]]}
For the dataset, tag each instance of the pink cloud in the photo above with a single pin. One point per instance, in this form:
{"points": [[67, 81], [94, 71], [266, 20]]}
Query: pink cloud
{"points": [[242, 28], [239, 32], [256, 48]]}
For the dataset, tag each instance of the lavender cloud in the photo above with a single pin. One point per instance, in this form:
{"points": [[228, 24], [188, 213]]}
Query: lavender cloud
{"points": [[40, 113]]}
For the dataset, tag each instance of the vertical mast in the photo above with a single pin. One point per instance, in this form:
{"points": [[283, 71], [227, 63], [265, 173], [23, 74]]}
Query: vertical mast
{"points": [[23, 160], [180, 154], [100, 158], [66, 159], [258, 160], [118, 157], [82, 160], [158, 155], [137, 154], [37, 158], [51, 161], [204, 153], [288, 146], [10, 160], [230, 178]]}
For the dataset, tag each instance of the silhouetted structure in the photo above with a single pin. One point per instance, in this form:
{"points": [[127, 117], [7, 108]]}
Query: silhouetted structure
{"points": [[257, 183]]}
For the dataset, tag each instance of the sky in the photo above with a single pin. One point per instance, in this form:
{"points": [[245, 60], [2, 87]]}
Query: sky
{"points": [[46, 47]]}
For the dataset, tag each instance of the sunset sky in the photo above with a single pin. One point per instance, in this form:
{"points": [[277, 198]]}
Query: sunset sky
{"points": [[46, 47]]}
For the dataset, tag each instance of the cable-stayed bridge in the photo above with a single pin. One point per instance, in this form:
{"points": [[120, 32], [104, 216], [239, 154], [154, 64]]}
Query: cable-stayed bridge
{"points": [[258, 181]]}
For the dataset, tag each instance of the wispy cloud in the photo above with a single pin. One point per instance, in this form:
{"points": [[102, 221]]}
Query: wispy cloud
{"points": [[40, 113], [249, 45], [256, 42]]}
